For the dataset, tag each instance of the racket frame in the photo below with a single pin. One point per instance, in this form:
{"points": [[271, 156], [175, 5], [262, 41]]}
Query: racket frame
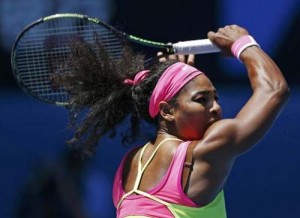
{"points": [[166, 48]]}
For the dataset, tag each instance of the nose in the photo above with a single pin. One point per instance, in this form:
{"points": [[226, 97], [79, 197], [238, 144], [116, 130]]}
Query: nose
{"points": [[216, 110]]}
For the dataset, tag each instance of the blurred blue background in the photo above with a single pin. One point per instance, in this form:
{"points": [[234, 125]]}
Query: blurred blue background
{"points": [[34, 161]]}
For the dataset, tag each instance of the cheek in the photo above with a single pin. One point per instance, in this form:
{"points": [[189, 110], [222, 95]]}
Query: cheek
{"points": [[192, 124]]}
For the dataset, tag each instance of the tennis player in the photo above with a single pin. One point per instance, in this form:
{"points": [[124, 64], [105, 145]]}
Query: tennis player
{"points": [[182, 171]]}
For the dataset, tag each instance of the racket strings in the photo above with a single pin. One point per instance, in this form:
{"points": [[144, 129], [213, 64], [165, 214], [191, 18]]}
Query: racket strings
{"points": [[42, 50]]}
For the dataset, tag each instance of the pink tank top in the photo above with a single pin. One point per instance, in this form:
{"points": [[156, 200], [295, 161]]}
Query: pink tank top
{"points": [[168, 190]]}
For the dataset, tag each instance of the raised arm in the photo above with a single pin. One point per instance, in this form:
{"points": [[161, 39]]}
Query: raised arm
{"points": [[270, 92]]}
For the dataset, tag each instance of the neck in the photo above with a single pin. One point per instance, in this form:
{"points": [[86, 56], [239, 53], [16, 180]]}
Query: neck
{"points": [[163, 136], [164, 133], [167, 130]]}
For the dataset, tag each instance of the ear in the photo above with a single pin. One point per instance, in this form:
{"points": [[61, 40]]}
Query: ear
{"points": [[166, 111]]}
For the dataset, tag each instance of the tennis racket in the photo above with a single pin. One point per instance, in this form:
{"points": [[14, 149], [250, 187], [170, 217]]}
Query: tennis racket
{"points": [[43, 46]]}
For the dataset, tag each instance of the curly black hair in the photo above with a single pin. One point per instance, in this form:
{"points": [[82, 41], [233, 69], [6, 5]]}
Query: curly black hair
{"points": [[99, 99]]}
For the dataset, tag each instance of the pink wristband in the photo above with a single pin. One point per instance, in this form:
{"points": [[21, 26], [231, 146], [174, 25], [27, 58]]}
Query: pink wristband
{"points": [[241, 44]]}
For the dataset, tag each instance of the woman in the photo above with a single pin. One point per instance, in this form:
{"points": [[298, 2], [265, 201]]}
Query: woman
{"points": [[181, 173]]}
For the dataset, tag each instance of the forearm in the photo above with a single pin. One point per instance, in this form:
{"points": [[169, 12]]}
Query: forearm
{"points": [[270, 93], [264, 74]]}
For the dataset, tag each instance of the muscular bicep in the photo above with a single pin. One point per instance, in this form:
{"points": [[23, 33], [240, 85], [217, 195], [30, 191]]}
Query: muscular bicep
{"points": [[235, 136], [225, 139]]}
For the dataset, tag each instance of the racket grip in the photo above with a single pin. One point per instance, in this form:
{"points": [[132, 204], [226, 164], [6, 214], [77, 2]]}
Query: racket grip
{"points": [[201, 46]]}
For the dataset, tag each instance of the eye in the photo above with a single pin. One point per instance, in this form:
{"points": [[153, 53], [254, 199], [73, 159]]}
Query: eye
{"points": [[201, 100], [217, 98]]}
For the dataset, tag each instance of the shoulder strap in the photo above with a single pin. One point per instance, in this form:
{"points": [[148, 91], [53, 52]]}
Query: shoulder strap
{"points": [[141, 169], [188, 165]]}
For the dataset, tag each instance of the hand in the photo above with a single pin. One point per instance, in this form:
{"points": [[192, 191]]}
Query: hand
{"points": [[189, 59], [226, 36]]}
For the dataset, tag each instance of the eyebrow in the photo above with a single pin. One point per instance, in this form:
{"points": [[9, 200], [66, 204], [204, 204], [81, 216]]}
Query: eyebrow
{"points": [[205, 92]]}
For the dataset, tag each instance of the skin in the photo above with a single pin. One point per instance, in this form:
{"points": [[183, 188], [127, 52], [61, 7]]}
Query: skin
{"points": [[197, 117]]}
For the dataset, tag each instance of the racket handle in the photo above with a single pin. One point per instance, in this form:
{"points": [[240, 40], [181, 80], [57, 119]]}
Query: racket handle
{"points": [[201, 46]]}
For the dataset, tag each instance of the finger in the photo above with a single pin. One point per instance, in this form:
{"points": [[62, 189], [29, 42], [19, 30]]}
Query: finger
{"points": [[162, 59], [191, 59], [211, 35], [172, 57], [181, 58]]}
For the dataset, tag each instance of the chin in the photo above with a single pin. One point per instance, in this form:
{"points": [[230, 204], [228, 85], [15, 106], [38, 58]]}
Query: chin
{"points": [[193, 138]]}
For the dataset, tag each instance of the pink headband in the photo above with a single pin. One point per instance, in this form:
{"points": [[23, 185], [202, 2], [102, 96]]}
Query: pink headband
{"points": [[170, 82]]}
